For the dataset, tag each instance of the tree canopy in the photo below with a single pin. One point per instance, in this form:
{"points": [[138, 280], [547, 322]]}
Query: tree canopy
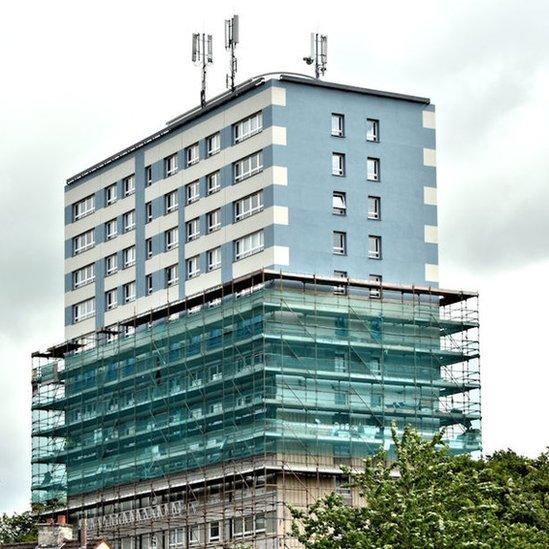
{"points": [[428, 498]]}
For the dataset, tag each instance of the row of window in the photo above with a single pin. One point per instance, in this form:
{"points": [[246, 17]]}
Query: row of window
{"points": [[372, 167], [242, 169], [339, 245], [339, 205], [243, 208], [243, 247], [372, 127]]}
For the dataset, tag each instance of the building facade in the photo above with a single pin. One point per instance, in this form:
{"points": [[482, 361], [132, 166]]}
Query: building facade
{"points": [[256, 304], [290, 174]]}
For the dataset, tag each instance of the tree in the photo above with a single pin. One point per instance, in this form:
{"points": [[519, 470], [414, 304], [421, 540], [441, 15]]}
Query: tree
{"points": [[18, 527], [427, 498]]}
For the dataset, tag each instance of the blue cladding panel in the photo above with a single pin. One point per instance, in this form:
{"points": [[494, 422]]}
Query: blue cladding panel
{"points": [[307, 117]]}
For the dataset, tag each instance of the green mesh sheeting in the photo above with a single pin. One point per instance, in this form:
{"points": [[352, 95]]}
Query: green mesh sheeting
{"points": [[283, 369]]}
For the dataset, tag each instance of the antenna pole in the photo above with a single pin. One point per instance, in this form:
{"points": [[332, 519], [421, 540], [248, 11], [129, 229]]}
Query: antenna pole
{"points": [[202, 54], [231, 40], [319, 53]]}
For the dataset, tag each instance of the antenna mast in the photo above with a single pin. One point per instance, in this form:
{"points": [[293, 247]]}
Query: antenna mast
{"points": [[319, 53], [231, 40], [202, 53]]}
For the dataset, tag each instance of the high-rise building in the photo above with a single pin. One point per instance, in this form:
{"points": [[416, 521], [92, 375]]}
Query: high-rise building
{"points": [[251, 301]]}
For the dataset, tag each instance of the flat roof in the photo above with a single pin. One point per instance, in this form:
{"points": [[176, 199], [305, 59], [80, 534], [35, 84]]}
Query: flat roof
{"points": [[224, 98]]}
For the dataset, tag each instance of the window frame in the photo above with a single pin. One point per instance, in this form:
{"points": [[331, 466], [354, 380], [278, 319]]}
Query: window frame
{"points": [[191, 199], [211, 139], [171, 202], [248, 201], [109, 200], [340, 130], [128, 297], [377, 252], [376, 174], [243, 168], [170, 165], [217, 188], [216, 226], [190, 158], [375, 293], [189, 274], [171, 238], [149, 289], [374, 214], [253, 249], [87, 314], [241, 132], [87, 203], [128, 189], [337, 210], [114, 269], [342, 249], [209, 254], [87, 246], [375, 134], [128, 257], [89, 278], [148, 248], [168, 272], [148, 175], [340, 170], [111, 235], [195, 222], [148, 212], [110, 305], [128, 227]]}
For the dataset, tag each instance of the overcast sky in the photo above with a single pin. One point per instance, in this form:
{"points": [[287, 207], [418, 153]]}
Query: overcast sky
{"points": [[81, 80]]}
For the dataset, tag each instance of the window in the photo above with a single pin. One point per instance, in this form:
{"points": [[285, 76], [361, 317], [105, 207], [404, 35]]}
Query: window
{"points": [[148, 212], [172, 275], [111, 264], [374, 247], [128, 184], [215, 531], [341, 362], [372, 130], [148, 248], [192, 229], [373, 169], [170, 165], [213, 183], [111, 229], [248, 127], [192, 192], [83, 276], [247, 525], [214, 259], [111, 299], [213, 144], [128, 257], [129, 292], [338, 164], [194, 534], [338, 125], [375, 293], [192, 154], [83, 242], [374, 207], [83, 207], [148, 176], [193, 267], [171, 238], [340, 243], [170, 202], [149, 284], [111, 194], [339, 203], [248, 166], [248, 205], [213, 220], [177, 537], [248, 245], [129, 221], [340, 289], [83, 310]]}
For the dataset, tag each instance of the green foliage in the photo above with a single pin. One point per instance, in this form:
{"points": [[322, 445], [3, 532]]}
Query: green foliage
{"points": [[18, 527], [427, 498]]}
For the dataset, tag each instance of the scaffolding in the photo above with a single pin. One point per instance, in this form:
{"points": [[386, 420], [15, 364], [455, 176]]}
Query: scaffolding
{"points": [[191, 426]]}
